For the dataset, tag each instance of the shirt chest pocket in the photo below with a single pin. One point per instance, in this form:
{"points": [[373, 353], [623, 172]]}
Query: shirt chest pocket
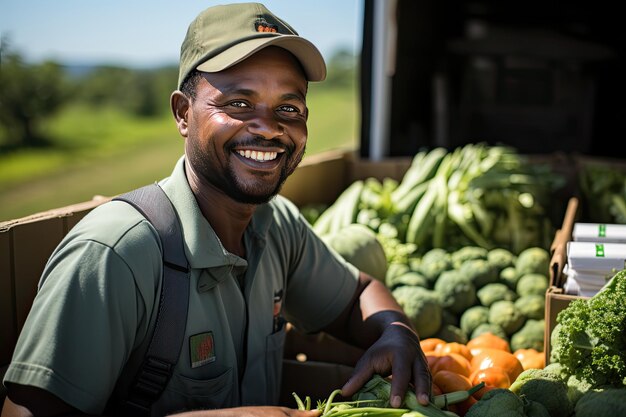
{"points": [[184, 393], [273, 363]]}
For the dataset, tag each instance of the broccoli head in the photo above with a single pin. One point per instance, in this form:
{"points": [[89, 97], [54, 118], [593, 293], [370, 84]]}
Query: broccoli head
{"points": [[576, 388], [534, 409], [473, 317], [451, 333], [410, 278], [479, 271], [530, 336], [455, 291], [395, 269], [493, 292], [533, 260], [504, 314], [489, 328], [603, 402], [434, 262], [467, 252], [531, 306], [509, 277], [532, 283], [500, 258], [546, 388], [496, 403], [422, 307]]}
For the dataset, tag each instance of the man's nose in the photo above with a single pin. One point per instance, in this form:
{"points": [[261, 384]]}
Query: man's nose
{"points": [[266, 124]]}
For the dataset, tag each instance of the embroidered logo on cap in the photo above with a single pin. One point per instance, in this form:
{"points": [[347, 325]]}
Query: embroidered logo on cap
{"points": [[262, 25], [201, 349]]}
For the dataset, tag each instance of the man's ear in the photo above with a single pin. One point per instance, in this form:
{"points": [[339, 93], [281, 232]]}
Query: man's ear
{"points": [[181, 105]]}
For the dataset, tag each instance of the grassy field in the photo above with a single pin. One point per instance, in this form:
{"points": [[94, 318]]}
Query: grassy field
{"points": [[105, 153]]}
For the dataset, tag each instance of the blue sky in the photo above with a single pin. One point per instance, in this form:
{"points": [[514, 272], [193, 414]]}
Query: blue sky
{"points": [[149, 32]]}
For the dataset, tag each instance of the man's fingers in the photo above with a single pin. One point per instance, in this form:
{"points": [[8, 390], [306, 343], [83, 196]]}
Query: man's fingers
{"points": [[361, 375], [422, 381], [399, 384]]}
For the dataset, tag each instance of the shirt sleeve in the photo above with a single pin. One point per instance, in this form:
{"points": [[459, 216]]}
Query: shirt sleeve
{"points": [[320, 282], [88, 315]]}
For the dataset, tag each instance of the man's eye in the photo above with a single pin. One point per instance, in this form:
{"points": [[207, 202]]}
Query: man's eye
{"points": [[240, 104], [289, 109]]}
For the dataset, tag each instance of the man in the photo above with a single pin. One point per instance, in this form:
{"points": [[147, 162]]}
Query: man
{"points": [[255, 263]]}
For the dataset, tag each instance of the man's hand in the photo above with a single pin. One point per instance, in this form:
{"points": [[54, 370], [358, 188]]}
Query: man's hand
{"points": [[396, 352], [374, 321], [265, 411]]}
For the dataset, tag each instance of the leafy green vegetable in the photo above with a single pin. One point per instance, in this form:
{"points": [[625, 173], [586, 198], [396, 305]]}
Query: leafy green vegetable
{"points": [[589, 341]]}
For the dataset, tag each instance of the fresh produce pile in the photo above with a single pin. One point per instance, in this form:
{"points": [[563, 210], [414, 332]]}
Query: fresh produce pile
{"points": [[486, 359], [462, 375], [460, 295], [459, 241], [475, 195], [373, 400], [586, 376]]}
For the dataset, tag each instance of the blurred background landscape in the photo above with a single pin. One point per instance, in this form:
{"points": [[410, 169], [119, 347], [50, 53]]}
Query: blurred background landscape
{"points": [[74, 124], [84, 86]]}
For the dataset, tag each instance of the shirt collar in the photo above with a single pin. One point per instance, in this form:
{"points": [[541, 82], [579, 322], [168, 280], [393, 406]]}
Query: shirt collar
{"points": [[202, 246]]}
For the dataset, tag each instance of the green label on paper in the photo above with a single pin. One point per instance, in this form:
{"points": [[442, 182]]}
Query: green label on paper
{"points": [[599, 250], [602, 230]]}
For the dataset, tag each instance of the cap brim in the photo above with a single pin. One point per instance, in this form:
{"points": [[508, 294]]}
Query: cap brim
{"points": [[308, 55]]}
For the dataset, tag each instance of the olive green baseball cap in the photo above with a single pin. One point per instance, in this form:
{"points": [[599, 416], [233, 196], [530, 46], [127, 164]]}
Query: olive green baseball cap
{"points": [[221, 36]]}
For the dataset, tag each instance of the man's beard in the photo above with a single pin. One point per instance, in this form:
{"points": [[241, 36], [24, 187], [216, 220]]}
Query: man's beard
{"points": [[226, 180], [241, 192]]}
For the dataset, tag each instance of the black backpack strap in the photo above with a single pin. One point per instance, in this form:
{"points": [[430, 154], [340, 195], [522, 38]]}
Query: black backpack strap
{"points": [[169, 329]]}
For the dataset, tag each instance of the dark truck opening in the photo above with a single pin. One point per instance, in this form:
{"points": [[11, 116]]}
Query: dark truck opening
{"points": [[540, 76]]}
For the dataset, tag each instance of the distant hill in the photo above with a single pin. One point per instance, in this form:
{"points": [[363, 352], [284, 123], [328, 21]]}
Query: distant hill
{"points": [[80, 70]]}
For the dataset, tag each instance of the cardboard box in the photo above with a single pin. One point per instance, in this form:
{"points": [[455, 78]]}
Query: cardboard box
{"points": [[556, 299]]}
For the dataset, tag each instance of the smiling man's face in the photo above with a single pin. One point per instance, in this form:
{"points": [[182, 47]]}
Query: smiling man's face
{"points": [[247, 126]]}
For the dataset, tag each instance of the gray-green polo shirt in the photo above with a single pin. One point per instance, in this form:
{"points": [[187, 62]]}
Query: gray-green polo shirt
{"points": [[99, 292]]}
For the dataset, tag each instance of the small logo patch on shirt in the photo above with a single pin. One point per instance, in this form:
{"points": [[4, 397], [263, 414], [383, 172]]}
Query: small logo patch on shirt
{"points": [[202, 349]]}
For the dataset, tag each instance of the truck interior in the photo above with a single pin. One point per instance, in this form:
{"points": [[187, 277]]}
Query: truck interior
{"points": [[541, 76]]}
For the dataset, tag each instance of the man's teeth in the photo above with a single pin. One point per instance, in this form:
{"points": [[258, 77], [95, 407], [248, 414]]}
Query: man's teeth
{"points": [[258, 155]]}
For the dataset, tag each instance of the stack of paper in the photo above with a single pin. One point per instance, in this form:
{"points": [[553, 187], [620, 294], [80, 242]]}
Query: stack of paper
{"points": [[599, 232], [590, 265]]}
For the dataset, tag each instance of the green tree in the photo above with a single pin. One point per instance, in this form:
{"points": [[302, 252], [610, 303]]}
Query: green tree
{"points": [[28, 95], [142, 93], [342, 69]]}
